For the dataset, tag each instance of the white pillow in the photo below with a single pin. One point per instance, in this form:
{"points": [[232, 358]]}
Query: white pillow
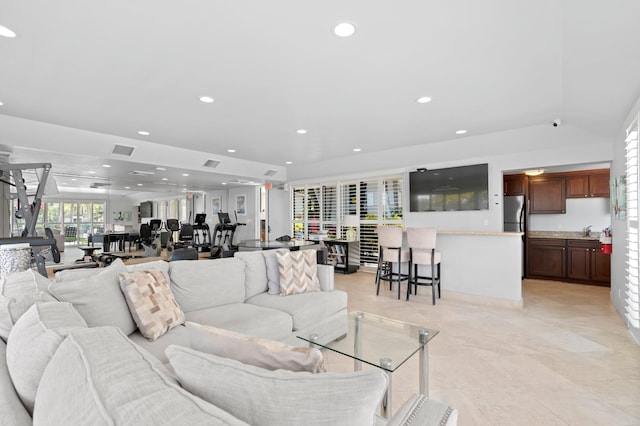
{"points": [[273, 273], [264, 353], [32, 342], [274, 398], [98, 298], [18, 291], [298, 272]]}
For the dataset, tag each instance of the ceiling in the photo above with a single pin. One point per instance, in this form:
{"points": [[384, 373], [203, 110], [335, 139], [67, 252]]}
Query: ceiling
{"points": [[102, 73]]}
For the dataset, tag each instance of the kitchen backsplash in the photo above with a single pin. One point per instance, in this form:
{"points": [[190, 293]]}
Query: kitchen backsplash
{"points": [[580, 213]]}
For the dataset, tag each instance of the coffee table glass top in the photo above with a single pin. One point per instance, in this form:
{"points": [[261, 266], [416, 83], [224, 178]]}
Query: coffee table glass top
{"points": [[376, 340]]}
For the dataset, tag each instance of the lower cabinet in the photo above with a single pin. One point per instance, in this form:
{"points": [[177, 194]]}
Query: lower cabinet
{"points": [[578, 261]]}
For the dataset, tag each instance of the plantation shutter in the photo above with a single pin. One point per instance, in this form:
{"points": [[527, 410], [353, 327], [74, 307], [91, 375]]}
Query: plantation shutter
{"points": [[330, 208], [632, 303]]}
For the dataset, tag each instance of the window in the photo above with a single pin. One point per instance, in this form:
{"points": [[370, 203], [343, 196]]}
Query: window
{"points": [[632, 303], [374, 201]]}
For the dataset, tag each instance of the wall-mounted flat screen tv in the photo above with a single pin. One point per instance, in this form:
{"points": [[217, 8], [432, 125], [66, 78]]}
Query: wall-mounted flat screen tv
{"points": [[146, 209], [450, 189]]}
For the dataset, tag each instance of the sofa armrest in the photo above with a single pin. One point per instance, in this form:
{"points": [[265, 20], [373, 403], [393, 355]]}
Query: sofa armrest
{"points": [[420, 410], [325, 276]]}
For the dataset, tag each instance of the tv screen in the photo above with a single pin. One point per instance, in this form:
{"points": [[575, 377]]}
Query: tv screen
{"points": [[450, 189], [146, 209]]}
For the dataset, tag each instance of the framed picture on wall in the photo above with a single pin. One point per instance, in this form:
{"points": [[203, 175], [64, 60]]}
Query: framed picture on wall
{"points": [[241, 204], [215, 205]]}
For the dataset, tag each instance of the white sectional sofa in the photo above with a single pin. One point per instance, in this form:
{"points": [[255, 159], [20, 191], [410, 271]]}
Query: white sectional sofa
{"points": [[71, 352]]}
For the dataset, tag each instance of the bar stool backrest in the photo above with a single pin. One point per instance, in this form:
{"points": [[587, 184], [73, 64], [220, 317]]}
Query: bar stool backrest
{"points": [[422, 238], [389, 236]]}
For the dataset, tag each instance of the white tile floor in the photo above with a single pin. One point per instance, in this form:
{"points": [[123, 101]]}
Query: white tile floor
{"points": [[566, 358]]}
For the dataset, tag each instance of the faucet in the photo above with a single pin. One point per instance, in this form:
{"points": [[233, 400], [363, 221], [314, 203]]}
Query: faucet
{"points": [[587, 231]]}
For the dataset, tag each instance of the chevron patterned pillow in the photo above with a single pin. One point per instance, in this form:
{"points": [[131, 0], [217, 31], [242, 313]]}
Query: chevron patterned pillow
{"points": [[298, 272]]}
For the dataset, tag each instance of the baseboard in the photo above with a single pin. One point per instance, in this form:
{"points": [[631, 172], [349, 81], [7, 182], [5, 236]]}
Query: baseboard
{"points": [[483, 300]]}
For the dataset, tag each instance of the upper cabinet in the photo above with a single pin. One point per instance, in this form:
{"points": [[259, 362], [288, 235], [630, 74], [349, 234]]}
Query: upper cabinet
{"points": [[547, 194], [515, 184], [593, 183]]}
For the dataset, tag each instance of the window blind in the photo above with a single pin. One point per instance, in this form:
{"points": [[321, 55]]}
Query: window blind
{"points": [[632, 303]]}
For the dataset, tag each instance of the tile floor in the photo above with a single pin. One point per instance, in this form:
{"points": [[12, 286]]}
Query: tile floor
{"points": [[566, 358]]}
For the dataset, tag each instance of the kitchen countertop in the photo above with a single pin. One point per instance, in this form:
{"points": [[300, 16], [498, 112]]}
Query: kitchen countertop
{"points": [[566, 235]]}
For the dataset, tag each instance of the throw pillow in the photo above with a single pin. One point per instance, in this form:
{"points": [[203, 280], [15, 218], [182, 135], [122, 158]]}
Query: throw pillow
{"points": [[151, 302], [264, 353], [262, 397], [273, 274], [32, 342], [18, 291], [98, 298], [298, 272]]}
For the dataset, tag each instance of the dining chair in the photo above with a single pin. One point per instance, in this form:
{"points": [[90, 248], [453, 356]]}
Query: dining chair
{"points": [[423, 253], [390, 254]]}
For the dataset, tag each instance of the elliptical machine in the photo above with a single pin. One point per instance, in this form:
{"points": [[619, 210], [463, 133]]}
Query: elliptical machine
{"points": [[201, 234]]}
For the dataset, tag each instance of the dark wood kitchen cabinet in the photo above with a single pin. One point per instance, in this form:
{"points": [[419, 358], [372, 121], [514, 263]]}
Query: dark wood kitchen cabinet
{"points": [[547, 194], [592, 184], [578, 261], [514, 184], [546, 258]]}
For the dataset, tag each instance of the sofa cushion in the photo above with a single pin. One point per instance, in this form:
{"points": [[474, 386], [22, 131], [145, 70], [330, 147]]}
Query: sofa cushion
{"points": [[245, 318], [151, 302], [298, 272], [99, 377], [176, 336], [203, 284], [263, 397], [32, 342], [98, 298], [305, 309], [255, 271], [264, 353], [13, 412], [273, 273], [157, 265], [18, 291]]}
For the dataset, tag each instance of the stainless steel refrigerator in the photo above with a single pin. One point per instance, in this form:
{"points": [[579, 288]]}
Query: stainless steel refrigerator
{"points": [[515, 220]]}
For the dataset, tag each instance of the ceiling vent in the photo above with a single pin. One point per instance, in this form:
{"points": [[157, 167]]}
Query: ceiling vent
{"points": [[123, 150], [96, 185], [141, 173], [271, 172], [211, 163]]}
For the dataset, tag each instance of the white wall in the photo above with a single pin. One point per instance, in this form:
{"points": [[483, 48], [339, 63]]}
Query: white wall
{"points": [[279, 213], [580, 213], [251, 229]]}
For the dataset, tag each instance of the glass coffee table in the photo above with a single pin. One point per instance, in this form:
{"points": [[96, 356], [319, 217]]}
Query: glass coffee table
{"points": [[381, 342]]}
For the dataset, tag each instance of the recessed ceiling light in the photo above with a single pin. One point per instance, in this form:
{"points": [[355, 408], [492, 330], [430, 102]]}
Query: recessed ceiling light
{"points": [[160, 168], [165, 178], [231, 150], [106, 166], [127, 187], [6, 32], [461, 132], [185, 174], [288, 162], [301, 131], [423, 100], [206, 99], [223, 183], [344, 29], [1, 103], [144, 133], [357, 149], [74, 179], [139, 184], [91, 172]]}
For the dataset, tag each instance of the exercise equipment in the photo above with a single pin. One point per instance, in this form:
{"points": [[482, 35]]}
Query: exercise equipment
{"points": [[150, 241], [201, 233], [223, 234]]}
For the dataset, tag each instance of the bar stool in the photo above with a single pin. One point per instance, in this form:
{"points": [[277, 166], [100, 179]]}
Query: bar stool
{"points": [[422, 249], [390, 252]]}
